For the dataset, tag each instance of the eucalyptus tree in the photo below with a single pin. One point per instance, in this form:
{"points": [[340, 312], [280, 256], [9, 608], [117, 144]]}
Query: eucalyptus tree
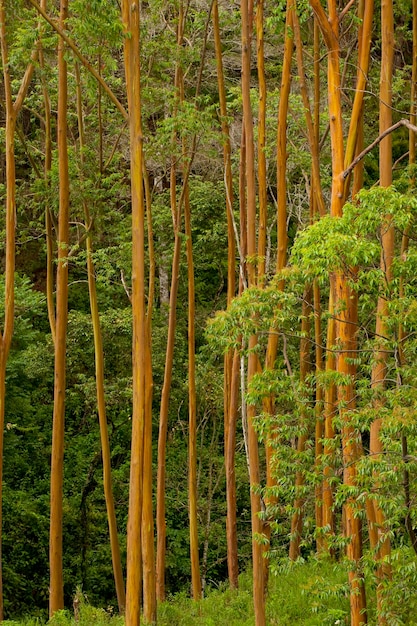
{"points": [[12, 107], [282, 249], [56, 599], [176, 211], [99, 370], [250, 201], [231, 359], [343, 301], [131, 23], [380, 540]]}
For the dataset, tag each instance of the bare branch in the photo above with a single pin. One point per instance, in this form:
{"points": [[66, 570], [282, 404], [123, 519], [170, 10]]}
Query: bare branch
{"points": [[372, 145]]}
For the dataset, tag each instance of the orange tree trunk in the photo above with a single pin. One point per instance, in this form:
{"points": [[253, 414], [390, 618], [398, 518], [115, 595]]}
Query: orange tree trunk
{"points": [[192, 412], [254, 469], [378, 376], [282, 237], [56, 600], [262, 181], [99, 375], [8, 323], [130, 16], [148, 553], [231, 360], [342, 302], [176, 209], [305, 368]]}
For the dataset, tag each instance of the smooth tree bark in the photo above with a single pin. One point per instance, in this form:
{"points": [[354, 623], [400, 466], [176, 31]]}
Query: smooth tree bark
{"points": [[281, 260], [317, 207], [253, 451], [12, 108], [408, 500], [343, 305], [192, 412], [56, 586], [328, 518], [365, 15], [305, 369], [131, 22], [49, 230], [177, 207], [262, 179], [176, 212], [166, 389], [99, 373], [311, 134], [192, 399], [382, 546], [231, 359], [317, 310], [148, 552]]}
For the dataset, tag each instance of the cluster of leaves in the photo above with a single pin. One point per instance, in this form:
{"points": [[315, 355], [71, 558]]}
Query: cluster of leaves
{"points": [[350, 245]]}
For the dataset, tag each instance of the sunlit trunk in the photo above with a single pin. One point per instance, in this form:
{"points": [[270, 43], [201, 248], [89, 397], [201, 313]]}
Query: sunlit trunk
{"points": [[99, 375], [130, 16], [305, 368], [282, 236], [342, 305], [379, 370], [148, 551], [254, 470], [262, 180], [231, 360]]}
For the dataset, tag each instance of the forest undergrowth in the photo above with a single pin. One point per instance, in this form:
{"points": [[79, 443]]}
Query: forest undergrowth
{"points": [[313, 592]]}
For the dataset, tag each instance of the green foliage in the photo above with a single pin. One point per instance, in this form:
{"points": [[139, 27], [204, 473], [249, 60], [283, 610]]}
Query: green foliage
{"points": [[351, 244]]}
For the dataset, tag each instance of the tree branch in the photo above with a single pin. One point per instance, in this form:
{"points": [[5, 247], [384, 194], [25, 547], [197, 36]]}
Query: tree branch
{"points": [[323, 22], [82, 59], [372, 145]]}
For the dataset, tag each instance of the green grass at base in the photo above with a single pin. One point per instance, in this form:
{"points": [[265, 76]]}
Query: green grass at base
{"points": [[311, 593]]}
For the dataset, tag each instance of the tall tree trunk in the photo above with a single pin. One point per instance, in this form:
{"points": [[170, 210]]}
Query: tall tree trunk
{"points": [[231, 360], [282, 237], [192, 436], [50, 278], [148, 552], [343, 304], [8, 323], [130, 16], [351, 447], [329, 433], [262, 180], [176, 210], [254, 469], [56, 600], [312, 135], [404, 250], [99, 375], [365, 15], [319, 396], [378, 376], [12, 109], [163, 412], [305, 368]]}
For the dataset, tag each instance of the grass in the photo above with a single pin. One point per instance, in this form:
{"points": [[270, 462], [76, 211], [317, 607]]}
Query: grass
{"points": [[299, 594], [311, 593]]}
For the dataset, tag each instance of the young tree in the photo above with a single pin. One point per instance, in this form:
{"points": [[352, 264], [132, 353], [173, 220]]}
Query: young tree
{"points": [[253, 451], [56, 600], [130, 17], [379, 370], [99, 373], [231, 359], [12, 108]]}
